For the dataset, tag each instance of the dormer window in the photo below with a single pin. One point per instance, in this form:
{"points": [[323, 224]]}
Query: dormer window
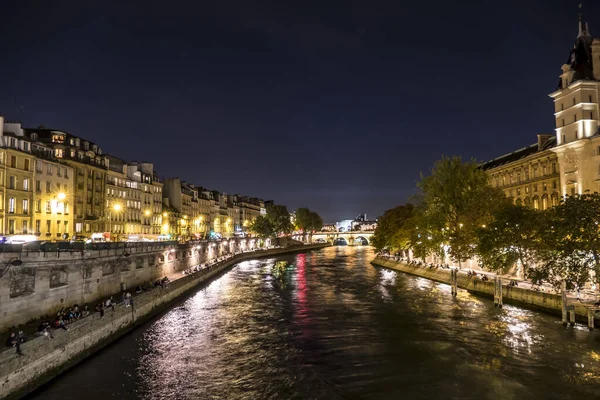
{"points": [[34, 136], [86, 145], [58, 138], [77, 142]]}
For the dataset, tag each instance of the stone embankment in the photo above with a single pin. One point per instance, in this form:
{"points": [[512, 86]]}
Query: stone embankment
{"points": [[45, 358], [543, 301]]}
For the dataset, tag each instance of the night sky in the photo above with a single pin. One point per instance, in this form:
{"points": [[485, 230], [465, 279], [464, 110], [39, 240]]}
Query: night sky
{"points": [[337, 106]]}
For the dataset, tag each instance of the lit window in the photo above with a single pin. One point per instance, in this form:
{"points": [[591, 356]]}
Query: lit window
{"points": [[11, 205]]}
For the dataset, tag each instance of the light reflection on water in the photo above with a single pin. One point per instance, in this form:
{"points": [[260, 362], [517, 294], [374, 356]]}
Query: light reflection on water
{"points": [[332, 326]]}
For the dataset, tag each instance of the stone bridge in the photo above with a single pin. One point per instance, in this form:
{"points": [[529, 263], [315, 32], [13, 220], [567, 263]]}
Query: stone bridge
{"points": [[353, 238]]}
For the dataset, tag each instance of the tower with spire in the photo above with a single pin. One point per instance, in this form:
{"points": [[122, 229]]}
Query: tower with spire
{"points": [[577, 115]]}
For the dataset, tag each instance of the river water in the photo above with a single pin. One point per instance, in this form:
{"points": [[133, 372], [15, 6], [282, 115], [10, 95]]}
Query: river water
{"points": [[334, 327]]}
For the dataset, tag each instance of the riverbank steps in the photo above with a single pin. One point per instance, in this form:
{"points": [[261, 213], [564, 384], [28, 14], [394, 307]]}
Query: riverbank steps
{"points": [[542, 301], [44, 359]]}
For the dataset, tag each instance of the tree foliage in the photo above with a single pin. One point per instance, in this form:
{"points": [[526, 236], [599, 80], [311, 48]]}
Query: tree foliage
{"points": [[456, 200], [393, 230], [262, 227], [514, 236], [279, 217], [307, 220], [572, 241]]}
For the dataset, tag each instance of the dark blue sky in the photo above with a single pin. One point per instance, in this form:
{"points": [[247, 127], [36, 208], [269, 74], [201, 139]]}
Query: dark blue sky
{"points": [[334, 105]]}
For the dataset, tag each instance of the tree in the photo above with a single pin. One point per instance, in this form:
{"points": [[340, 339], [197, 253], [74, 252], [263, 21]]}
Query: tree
{"points": [[513, 237], [456, 199], [262, 227], [394, 229], [302, 219], [279, 217], [307, 220], [572, 238], [316, 222]]}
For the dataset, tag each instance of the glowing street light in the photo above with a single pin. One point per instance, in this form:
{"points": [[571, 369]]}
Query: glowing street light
{"points": [[117, 207], [61, 196], [147, 212]]}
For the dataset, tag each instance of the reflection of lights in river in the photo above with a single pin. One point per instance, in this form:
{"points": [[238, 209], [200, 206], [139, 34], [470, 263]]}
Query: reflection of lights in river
{"points": [[517, 329], [387, 278], [423, 284]]}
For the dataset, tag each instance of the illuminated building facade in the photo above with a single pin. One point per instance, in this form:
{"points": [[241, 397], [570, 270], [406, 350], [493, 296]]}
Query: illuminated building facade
{"points": [[528, 176], [576, 116], [37, 189], [89, 166], [568, 162], [250, 209]]}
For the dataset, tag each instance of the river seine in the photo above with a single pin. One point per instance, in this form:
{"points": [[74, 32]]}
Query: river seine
{"points": [[332, 326]]}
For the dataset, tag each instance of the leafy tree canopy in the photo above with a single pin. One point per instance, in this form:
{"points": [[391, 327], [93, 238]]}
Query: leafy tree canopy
{"points": [[393, 229], [514, 236], [456, 200], [262, 227], [307, 220], [279, 217]]}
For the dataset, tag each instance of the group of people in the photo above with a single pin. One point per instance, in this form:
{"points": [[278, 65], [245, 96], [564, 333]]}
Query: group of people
{"points": [[68, 315], [163, 283], [72, 313]]}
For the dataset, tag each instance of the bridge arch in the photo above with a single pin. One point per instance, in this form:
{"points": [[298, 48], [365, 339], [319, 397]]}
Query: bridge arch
{"points": [[340, 241], [361, 241]]}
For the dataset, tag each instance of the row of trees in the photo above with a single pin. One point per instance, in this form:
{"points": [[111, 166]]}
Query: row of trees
{"points": [[277, 221], [457, 213]]}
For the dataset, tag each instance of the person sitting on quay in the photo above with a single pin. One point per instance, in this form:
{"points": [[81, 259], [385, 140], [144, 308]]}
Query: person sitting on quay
{"points": [[85, 312], [70, 317], [60, 313], [110, 303], [100, 309], [60, 323], [139, 289], [13, 341], [45, 329]]}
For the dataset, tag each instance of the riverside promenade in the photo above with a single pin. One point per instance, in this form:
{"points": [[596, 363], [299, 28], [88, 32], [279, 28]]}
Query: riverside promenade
{"points": [[543, 298], [44, 358]]}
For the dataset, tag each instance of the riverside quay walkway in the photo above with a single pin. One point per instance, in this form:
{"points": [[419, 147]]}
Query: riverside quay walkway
{"points": [[572, 305], [45, 356]]}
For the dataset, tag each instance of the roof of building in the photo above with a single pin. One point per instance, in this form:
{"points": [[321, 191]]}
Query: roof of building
{"points": [[580, 57], [519, 154]]}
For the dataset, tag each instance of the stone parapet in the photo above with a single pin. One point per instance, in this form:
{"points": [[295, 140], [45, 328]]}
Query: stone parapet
{"points": [[548, 302]]}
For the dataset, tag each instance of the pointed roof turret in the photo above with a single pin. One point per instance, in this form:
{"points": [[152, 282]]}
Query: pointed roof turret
{"points": [[580, 58]]}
